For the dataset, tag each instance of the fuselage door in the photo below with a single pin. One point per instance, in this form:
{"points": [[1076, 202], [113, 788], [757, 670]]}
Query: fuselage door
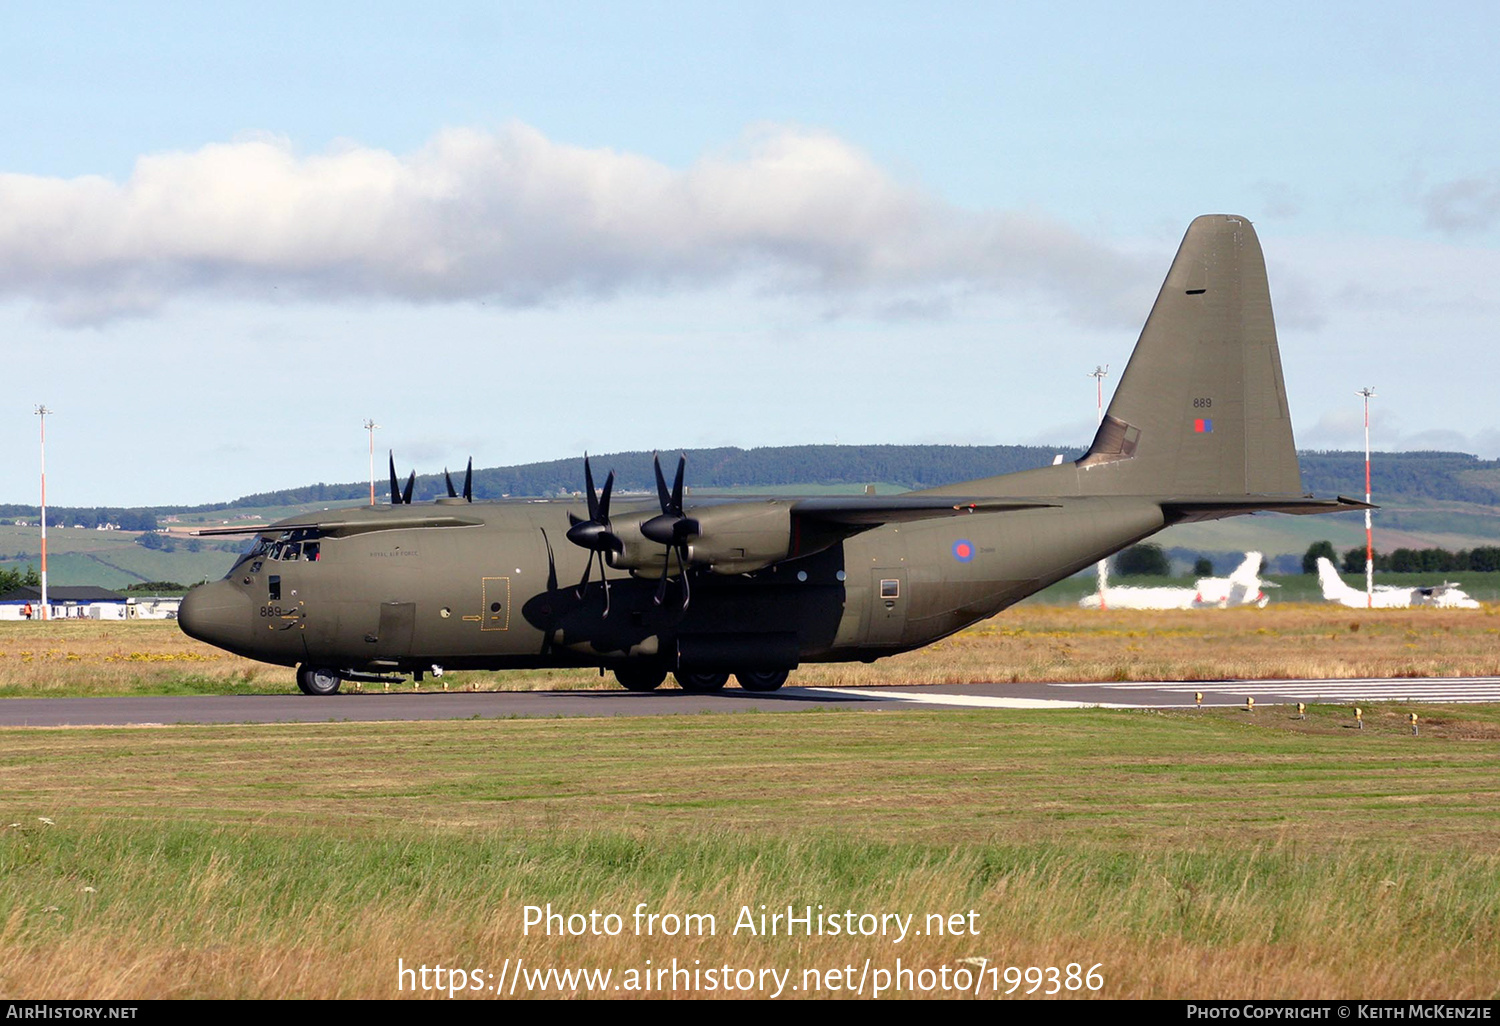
{"points": [[887, 605], [397, 620], [495, 614]]}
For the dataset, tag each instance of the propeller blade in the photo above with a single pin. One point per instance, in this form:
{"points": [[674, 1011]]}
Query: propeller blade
{"points": [[406, 492], [609, 484], [469, 481], [588, 568], [589, 493], [662, 495], [449, 478], [677, 485], [661, 588], [395, 483]]}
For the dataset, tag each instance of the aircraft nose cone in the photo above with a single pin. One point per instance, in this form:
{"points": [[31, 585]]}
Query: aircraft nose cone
{"points": [[217, 613]]}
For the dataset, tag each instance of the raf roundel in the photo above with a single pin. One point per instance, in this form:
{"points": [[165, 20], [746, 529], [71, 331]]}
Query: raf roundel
{"points": [[963, 550]]}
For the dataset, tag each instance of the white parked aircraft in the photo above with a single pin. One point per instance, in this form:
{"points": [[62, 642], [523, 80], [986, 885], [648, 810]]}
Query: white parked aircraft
{"points": [[1241, 588], [1388, 596]]}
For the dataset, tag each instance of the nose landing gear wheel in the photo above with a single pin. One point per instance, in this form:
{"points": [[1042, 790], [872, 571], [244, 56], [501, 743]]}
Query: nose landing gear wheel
{"points": [[701, 682], [769, 680], [640, 678], [318, 680]]}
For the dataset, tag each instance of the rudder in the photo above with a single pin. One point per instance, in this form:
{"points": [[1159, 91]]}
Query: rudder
{"points": [[1201, 408]]}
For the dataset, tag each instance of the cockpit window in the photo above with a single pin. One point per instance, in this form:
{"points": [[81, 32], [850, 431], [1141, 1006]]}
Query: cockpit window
{"points": [[289, 546]]}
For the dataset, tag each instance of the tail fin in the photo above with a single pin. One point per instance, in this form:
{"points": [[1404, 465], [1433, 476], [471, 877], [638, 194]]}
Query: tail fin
{"points": [[1247, 574], [1334, 588], [1245, 583], [1201, 408]]}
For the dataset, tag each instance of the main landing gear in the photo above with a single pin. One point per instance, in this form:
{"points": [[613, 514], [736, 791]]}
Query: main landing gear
{"points": [[318, 680], [768, 680], [649, 678], [702, 683]]}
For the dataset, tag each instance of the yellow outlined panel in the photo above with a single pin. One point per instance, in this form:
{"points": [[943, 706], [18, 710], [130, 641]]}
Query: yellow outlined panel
{"points": [[494, 591]]}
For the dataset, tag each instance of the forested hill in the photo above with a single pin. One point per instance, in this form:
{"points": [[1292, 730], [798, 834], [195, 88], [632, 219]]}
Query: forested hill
{"points": [[908, 466], [1449, 476], [1423, 476]]}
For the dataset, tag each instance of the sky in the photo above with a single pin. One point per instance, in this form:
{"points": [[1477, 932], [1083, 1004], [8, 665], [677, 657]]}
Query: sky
{"points": [[230, 234]]}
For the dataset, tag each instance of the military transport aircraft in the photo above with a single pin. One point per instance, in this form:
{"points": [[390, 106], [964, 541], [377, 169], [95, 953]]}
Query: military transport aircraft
{"points": [[1241, 588], [1198, 429]]}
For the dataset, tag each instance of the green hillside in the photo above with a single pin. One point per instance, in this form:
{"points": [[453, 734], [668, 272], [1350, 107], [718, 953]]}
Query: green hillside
{"points": [[1427, 499]]}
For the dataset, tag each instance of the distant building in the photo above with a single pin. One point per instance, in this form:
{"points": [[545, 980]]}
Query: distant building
{"points": [[87, 603], [77, 602]]}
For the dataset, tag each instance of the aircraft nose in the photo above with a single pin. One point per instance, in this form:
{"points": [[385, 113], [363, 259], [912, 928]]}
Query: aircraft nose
{"points": [[217, 613]]}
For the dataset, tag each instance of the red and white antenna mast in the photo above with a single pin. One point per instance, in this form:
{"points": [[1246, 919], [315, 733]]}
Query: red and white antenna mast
{"points": [[370, 426], [1098, 374], [1368, 393], [42, 411]]}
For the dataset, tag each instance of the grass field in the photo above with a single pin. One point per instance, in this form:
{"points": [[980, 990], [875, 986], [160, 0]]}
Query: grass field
{"points": [[1192, 854], [1031, 642], [1206, 853]]}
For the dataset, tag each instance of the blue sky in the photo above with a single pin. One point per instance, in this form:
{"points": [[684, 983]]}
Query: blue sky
{"points": [[228, 234]]}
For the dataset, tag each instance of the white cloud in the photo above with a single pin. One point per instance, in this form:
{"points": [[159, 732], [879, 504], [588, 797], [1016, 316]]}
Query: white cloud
{"points": [[514, 217]]}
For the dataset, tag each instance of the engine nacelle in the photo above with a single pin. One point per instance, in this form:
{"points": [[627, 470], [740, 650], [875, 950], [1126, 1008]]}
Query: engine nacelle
{"points": [[742, 537], [734, 538]]}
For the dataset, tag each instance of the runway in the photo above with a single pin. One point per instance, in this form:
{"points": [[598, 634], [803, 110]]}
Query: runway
{"points": [[440, 705]]}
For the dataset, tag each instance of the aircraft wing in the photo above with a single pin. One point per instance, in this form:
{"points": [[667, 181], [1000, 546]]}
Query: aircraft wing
{"points": [[871, 511], [1190, 509], [341, 528]]}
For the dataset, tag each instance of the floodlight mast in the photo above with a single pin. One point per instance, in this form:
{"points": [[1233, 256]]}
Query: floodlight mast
{"points": [[370, 426], [1368, 393], [42, 411], [1098, 374]]}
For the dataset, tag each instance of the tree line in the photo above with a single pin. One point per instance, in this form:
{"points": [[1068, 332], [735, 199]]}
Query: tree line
{"points": [[139, 519], [1483, 559], [10, 580]]}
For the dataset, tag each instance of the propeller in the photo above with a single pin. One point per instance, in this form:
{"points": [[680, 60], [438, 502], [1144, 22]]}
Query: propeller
{"points": [[671, 528], [594, 533], [468, 482], [398, 496]]}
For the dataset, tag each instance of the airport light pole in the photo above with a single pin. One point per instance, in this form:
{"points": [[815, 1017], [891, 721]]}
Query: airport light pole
{"points": [[42, 411], [370, 426], [1368, 393], [1098, 374]]}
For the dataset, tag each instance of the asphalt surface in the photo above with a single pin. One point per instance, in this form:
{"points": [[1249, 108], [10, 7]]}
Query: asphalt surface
{"points": [[440, 705]]}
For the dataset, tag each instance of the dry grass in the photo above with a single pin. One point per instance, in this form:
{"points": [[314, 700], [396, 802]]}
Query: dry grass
{"points": [[1193, 854], [1027, 643], [1256, 926], [127, 657], [1051, 643]]}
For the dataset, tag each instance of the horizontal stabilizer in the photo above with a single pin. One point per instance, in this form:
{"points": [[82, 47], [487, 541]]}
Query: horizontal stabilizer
{"points": [[1190, 509]]}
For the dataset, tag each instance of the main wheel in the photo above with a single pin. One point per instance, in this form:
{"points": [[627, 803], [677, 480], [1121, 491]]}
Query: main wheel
{"points": [[769, 680], [640, 677], [701, 682], [318, 680]]}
